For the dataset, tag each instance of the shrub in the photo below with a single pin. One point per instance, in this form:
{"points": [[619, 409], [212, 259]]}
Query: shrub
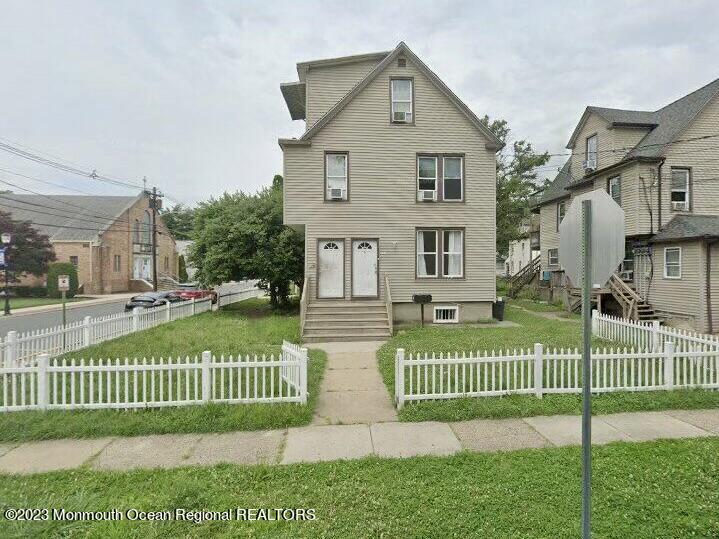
{"points": [[182, 269], [61, 268], [29, 291]]}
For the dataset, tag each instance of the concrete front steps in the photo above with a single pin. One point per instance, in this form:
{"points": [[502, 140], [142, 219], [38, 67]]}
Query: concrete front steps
{"points": [[339, 320]]}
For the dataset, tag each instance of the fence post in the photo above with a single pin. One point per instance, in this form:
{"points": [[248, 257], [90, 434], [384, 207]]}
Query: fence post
{"points": [[193, 306], [206, 380], [136, 319], [303, 375], [655, 335], [595, 322], [42, 388], [10, 348], [168, 312], [86, 340], [538, 368], [669, 364], [399, 378]]}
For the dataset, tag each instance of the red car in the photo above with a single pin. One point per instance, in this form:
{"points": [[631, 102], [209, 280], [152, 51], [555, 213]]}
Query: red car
{"points": [[189, 291]]}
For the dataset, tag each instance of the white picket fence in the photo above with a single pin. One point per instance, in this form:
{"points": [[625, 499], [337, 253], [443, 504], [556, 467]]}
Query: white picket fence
{"points": [[24, 348], [648, 335], [427, 377], [62, 384]]}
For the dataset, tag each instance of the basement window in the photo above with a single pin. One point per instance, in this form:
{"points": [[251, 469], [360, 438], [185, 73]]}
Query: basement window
{"points": [[446, 314]]}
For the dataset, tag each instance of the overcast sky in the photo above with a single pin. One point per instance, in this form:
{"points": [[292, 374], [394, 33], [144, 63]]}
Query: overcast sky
{"points": [[187, 92]]}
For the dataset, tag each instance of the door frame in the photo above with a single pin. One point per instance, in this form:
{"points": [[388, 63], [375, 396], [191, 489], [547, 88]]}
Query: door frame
{"points": [[317, 266], [352, 268]]}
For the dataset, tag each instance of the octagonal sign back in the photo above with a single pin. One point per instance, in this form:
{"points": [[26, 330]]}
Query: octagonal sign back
{"points": [[607, 238]]}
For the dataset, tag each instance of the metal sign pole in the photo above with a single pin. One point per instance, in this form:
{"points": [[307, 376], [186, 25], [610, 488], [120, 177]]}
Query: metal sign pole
{"points": [[586, 368]]}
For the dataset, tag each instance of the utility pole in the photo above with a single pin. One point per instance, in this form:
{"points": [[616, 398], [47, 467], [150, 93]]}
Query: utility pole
{"points": [[153, 205]]}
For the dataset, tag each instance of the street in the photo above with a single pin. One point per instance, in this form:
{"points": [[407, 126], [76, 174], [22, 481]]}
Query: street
{"points": [[77, 311]]}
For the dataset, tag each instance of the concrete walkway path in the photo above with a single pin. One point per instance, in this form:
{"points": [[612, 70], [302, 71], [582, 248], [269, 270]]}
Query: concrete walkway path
{"points": [[352, 390], [333, 442]]}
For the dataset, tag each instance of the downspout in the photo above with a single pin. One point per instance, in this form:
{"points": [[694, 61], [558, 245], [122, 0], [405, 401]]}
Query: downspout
{"points": [[707, 276], [659, 188]]}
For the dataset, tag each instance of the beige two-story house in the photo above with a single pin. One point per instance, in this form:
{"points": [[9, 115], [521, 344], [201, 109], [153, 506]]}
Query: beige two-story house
{"points": [[662, 168], [393, 186]]}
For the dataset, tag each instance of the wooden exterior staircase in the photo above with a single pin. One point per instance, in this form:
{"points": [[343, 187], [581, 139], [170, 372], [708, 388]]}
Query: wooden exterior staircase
{"points": [[633, 306], [523, 277]]}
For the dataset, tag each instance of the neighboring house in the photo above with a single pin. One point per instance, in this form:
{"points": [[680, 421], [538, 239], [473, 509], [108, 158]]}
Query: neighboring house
{"points": [[523, 250], [661, 168], [393, 186], [107, 238], [183, 249]]}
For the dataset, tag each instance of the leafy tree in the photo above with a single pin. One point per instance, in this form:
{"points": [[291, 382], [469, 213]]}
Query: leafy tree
{"points": [[179, 220], [61, 268], [240, 236], [182, 269], [29, 251], [516, 181]]}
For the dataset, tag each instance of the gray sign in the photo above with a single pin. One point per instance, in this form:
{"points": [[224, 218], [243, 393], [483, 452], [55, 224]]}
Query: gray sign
{"points": [[607, 238]]}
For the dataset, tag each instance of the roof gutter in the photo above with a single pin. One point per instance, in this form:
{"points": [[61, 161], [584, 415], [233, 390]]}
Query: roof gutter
{"points": [[659, 193]]}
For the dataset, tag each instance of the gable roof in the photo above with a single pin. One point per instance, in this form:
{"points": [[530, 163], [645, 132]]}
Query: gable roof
{"points": [[557, 189], [494, 142], [60, 221], [688, 227], [673, 119], [665, 124]]}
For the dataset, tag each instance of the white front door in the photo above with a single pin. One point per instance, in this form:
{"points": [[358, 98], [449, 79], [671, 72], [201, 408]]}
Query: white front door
{"points": [[331, 269], [364, 268]]}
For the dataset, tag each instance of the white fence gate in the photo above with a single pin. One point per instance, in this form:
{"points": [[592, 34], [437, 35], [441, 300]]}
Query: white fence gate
{"points": [[424, 377], [61, 384]]}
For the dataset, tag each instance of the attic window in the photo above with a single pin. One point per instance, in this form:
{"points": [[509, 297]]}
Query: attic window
{"points": [[402, 98], [401, 62]]}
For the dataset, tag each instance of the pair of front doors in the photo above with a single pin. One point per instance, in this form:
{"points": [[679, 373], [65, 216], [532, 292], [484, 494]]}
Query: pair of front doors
{"points": [[331, 268]]}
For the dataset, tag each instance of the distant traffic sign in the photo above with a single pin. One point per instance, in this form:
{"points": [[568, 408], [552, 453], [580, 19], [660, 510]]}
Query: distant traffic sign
{"points": [[63, 283], [2, 257], [607, 242]]}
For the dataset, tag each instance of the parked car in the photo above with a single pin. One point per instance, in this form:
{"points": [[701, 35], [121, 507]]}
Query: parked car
{"points": [[193, 290], [152, 299]]}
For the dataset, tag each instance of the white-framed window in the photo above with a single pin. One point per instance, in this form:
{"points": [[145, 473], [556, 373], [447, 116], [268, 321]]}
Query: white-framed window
{"points": [[446, 314], [452, 176], [680, 189], [672, 262], [591, 153], [427, 253], [426, 177], [614, 188], [402, 98], [452, 253], [336, 176], [553, 257], [561, 210]]}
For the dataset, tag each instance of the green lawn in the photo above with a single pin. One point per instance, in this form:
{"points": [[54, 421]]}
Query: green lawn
{"points": [[20, 303], [248, 327], [538, 306], [534, 328], [640, 490]]}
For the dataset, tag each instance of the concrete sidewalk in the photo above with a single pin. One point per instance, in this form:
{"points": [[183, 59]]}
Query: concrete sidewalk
{"points": [[333, 442], [352, 390]]}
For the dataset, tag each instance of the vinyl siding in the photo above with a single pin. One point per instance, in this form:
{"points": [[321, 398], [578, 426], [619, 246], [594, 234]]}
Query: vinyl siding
{"points": [[548, 236], [327, 85], [594, 125], [382, 189], [680, 297], [701, 156]]}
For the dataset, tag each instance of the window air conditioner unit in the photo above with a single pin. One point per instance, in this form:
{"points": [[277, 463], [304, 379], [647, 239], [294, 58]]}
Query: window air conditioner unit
{"points": [[402, 117], [336, 194], [590, 165], [427, 195], [681, 206]]}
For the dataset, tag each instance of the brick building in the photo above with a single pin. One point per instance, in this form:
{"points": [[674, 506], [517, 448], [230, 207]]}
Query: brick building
{"points": [[109, 243]]}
